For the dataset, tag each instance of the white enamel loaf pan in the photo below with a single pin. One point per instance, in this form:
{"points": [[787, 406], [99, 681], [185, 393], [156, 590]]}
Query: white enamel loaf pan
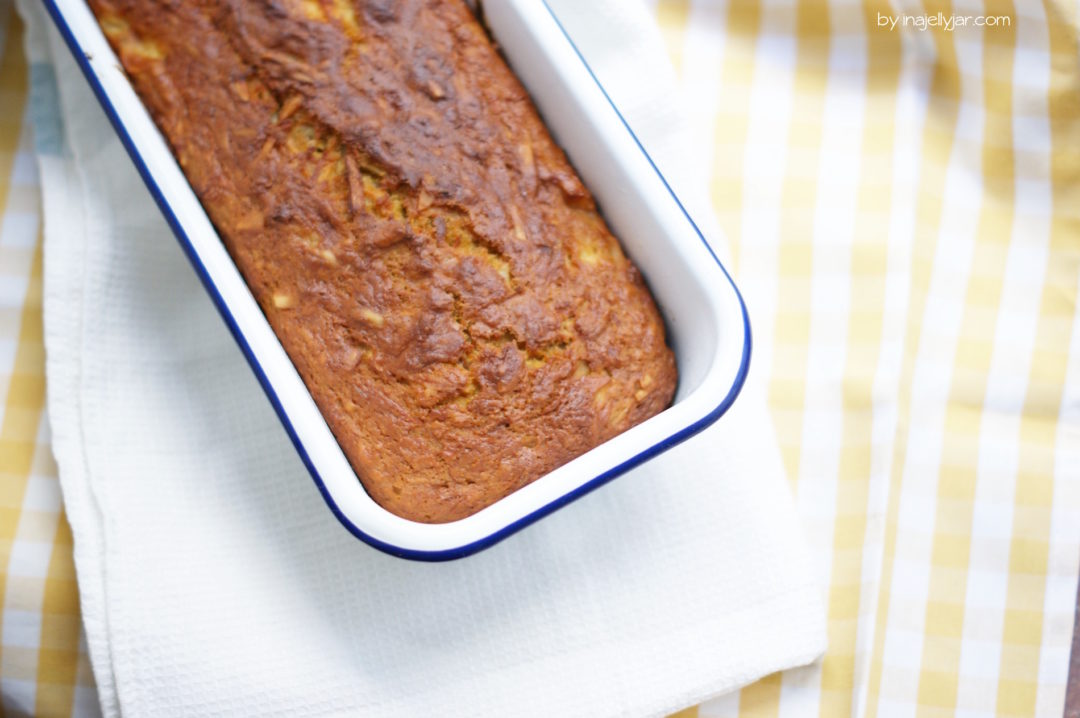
{"points": [[707, 323]]}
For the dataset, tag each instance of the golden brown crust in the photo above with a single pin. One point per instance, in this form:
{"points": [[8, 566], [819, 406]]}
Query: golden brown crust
{"points": [[431, 263]]}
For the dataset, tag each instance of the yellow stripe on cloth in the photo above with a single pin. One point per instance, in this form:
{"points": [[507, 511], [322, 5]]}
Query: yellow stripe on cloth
{"points": [[18, 426], [1019, 686]]}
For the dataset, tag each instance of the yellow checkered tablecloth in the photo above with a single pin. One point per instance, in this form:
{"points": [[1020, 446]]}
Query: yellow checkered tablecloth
{"points": [[904, 204], [44, 669], [904, 209]]}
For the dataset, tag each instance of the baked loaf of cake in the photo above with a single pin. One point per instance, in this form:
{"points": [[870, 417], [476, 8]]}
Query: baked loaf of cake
{"points": [[431, 263]]}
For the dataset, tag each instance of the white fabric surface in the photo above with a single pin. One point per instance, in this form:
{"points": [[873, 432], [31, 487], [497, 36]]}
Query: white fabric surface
{"points": [[213, 579]]}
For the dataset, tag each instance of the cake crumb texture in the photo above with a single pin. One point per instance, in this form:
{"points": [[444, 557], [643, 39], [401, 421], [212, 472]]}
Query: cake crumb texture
{"points": [[433, 266]]}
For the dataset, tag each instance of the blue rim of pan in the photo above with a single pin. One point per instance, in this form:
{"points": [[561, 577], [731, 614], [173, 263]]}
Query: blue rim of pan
{"points": [[223, 309]]}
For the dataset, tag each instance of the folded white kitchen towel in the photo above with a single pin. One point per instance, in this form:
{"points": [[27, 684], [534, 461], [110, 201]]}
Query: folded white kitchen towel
{"points": [[215, 582]]}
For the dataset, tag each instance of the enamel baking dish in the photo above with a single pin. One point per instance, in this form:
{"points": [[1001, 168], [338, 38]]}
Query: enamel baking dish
{"points": [[706, 320]]}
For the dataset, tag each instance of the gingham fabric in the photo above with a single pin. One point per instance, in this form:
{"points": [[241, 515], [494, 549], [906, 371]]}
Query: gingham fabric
{"points": [[904, 205], [904, 209], [44, 669], [43, 666]]}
